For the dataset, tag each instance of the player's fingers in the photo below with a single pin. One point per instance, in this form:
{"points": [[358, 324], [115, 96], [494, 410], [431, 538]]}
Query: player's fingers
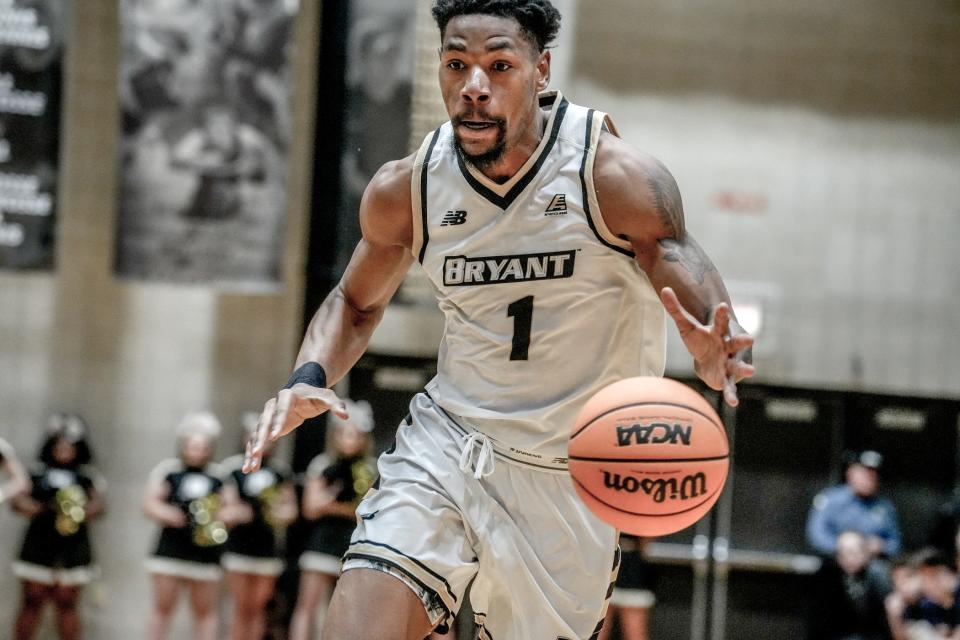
{"points": [[334, 403], [256, 444], [278, 425], [250, 461], [269, 411], [743, 370], [721, 319], [730, 391], [263, 427], [739, 342], [685, 322]]}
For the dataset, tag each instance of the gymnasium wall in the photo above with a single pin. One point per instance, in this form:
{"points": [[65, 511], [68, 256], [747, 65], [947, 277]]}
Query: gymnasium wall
{"points": [[817, 148], [133, 358]]}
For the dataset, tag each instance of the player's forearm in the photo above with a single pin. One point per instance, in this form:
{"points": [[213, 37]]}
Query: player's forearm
{"points": [[338, 335], [685, 267]]}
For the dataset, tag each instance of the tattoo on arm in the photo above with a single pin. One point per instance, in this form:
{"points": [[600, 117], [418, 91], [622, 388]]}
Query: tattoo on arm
{"points": [[666, 199], [690, 256]]}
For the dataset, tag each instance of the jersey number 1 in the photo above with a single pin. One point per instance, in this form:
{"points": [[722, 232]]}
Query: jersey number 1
{"points": [[522, 313]]}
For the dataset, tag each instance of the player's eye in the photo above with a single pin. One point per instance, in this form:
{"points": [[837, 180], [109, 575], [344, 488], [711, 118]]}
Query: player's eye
{"points": [[456, 65], [501, 66]]}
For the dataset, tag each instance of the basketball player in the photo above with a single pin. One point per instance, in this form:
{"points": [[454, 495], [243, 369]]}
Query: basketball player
{"points": [[547, 239]]}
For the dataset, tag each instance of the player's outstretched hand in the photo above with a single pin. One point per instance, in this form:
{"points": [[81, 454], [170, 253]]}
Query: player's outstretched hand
{"points": [[720, 358], [287, 411]]}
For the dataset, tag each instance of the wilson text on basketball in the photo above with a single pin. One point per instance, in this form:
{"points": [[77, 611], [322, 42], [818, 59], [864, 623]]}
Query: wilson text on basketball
{"points": [[660, 489]]}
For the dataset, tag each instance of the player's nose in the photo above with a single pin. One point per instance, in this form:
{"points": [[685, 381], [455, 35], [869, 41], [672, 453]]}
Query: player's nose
{"points": [[477, 87]]}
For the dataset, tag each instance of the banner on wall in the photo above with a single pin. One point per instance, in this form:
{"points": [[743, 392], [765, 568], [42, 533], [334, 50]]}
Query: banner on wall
{"points": [[32, 34], [205, 91]]}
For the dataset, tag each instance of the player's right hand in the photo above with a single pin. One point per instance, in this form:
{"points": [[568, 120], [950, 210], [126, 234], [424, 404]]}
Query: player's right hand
{"points": [[287, 411]]}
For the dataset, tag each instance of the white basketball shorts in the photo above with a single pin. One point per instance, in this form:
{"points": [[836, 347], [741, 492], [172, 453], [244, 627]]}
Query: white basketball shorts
{"points": [[449, 508]]}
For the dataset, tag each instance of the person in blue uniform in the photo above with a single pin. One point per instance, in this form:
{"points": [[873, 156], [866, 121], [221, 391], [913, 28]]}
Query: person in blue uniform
{"points": [[56, 558], [183, 497], [257, 508], [855, 506], [336, 481]]}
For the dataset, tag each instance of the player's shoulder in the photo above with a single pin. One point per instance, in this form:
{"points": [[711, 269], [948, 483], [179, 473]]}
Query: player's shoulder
{"points": [[620, 164], [386, 212], [390, 185], [638, 196]]}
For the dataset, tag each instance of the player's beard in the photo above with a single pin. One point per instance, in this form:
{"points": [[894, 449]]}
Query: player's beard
{"points": [[488, 158]]}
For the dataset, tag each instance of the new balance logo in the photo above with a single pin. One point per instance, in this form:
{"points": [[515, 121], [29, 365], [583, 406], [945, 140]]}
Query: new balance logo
{"points": [[451, 218], [558, 206]]}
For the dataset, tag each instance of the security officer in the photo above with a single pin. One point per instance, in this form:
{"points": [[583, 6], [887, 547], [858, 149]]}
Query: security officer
{"points": [[855, 506]]}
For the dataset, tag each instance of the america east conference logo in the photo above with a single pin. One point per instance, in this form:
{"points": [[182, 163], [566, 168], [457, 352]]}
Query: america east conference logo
{"points": [[461, 271]]}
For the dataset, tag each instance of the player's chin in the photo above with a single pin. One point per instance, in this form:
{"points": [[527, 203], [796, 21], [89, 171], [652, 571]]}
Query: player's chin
{"points": [[477, 146]]}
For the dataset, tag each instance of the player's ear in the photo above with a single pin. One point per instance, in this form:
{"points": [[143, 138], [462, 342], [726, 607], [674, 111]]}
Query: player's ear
{"points": [[543, 71]]}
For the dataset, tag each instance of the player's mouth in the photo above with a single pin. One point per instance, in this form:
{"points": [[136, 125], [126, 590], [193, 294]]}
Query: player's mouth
{"points": [[477, 125]]}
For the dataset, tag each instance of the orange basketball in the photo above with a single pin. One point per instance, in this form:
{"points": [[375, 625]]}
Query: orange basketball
{"points": [[648, 456]]}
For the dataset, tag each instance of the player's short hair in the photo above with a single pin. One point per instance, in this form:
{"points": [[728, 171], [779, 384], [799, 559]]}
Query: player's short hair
{"points": [[539, 20]]}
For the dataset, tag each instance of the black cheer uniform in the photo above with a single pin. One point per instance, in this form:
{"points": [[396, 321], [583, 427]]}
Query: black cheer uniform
{"points": [[330, 535], [56, 548], [255, 546], [193, 551]]}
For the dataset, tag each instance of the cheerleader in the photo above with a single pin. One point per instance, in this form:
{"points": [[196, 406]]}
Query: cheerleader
{"points": [[56, 560], [183, 497], [633, 596], [257, 508], [336, 481], [18, 482]]}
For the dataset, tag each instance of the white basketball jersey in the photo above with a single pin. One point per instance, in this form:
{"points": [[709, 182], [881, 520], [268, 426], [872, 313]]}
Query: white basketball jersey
{"points": [[543, 305]]}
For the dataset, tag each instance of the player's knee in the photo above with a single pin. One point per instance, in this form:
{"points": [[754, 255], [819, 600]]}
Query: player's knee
{"points": [[346, 621]]}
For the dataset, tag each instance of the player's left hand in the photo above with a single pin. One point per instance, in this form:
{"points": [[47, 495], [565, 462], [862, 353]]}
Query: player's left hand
{"points": [[721, 359]]}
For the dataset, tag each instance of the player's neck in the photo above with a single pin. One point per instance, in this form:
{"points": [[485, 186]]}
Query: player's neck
{"points": [[516, 156]]}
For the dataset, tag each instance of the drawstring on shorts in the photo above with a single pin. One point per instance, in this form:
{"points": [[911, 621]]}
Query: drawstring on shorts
{"points": [[482, 463]]}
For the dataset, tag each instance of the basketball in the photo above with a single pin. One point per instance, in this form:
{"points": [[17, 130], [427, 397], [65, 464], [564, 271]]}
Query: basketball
{"points": [[648, 455]]}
